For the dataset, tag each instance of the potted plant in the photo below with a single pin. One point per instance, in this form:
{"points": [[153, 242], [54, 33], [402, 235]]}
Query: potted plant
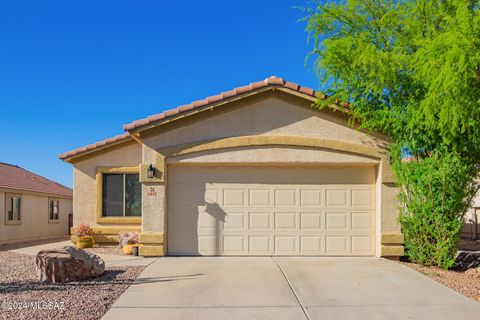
{"points": [[84, 236], [127, 241]]}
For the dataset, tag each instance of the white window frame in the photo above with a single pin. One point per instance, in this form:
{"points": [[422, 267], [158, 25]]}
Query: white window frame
{"points": [[50, 201]]}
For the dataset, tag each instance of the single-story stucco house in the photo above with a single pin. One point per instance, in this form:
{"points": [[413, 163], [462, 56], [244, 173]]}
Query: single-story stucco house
{"points": [[251, 171], [32, 207]]}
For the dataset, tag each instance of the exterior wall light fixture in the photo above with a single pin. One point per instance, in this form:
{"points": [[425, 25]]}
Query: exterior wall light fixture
{"points": [[151, 172]]}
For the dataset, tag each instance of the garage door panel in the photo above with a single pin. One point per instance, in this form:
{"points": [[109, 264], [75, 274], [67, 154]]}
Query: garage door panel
{"points": [[192, 195], [362, 221], [311, 197], [286, 221], [183, 242], [260, 244], [233, 197], [235, 221], [208, 245], [187, 174], [311, 221], [207, 222], [211, 196], [362, 244], [185, 218], [260, 197], [235, 245], [286, 245], [336, 244], [336, 221], [271, 211], [336, 197], [260, 220], [312, 244], [362, 198], [285, 197]]}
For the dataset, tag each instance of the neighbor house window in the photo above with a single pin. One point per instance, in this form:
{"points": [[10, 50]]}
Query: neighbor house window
{"points": [[13, 206], [122, 195], [53, 209]]}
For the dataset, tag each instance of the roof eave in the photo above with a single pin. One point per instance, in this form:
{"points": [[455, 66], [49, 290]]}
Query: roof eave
{"points": [[78, 155], [134, 129]]}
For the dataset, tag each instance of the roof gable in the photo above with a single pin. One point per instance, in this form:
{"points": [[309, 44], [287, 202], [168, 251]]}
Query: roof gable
{"points": [[227, 96]]}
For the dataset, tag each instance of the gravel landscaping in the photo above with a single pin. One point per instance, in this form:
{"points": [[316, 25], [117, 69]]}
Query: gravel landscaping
{"points": [[5, 247], [466, 283], [22, 296], [114, 250]]}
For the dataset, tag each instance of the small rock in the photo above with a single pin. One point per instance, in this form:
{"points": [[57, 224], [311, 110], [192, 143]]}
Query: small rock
{"points": [[473, 272], [68, 264]]}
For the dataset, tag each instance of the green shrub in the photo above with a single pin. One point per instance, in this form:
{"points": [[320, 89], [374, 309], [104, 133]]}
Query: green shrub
{"points": [[435, 193]]}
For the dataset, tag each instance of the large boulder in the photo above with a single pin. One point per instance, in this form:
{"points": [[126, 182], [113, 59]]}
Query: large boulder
{"points": [[68, 264]]}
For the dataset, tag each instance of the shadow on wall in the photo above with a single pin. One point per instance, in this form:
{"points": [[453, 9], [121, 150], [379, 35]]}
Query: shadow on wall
{"points": [[217, 213], [184, 237]]}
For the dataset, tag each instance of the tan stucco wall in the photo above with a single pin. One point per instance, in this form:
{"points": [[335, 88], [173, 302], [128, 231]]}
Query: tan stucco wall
{"points": [[34, 217], [389, 209], [271, 116], [265, 154], [84, 185]]}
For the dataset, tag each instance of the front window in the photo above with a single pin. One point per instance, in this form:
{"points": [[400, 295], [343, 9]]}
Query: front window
{"points": [[13, 203], [53, 210], [122, 195]]}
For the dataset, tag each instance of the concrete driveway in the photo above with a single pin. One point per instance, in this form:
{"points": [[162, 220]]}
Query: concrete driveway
{"points": [[287, 288]]}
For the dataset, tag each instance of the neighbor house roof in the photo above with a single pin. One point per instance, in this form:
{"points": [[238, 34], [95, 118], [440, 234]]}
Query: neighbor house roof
{"points": [[17, 178], [268, 83]]}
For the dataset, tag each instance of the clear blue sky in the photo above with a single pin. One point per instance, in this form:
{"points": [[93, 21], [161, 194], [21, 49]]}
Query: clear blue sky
{"points": [[73, 72]]}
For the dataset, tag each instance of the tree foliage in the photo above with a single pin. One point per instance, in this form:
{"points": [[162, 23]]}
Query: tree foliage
{"points": [[411, 69]]}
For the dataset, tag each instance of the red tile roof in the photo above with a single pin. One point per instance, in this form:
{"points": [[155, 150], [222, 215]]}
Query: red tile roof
{"points": [[107, 142], [15, 177], [272, 81]]}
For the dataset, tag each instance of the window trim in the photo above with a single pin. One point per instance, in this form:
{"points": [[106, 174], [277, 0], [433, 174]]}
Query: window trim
{"points": [[49, 208], [12, 222], [100, 171]]}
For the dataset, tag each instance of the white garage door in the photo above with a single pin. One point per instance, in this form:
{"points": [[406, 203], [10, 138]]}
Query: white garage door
{"points": [[226, 210]]}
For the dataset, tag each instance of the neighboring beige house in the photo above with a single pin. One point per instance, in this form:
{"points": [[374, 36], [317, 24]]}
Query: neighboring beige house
{"points": [[251, 171], [31, 207]]}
